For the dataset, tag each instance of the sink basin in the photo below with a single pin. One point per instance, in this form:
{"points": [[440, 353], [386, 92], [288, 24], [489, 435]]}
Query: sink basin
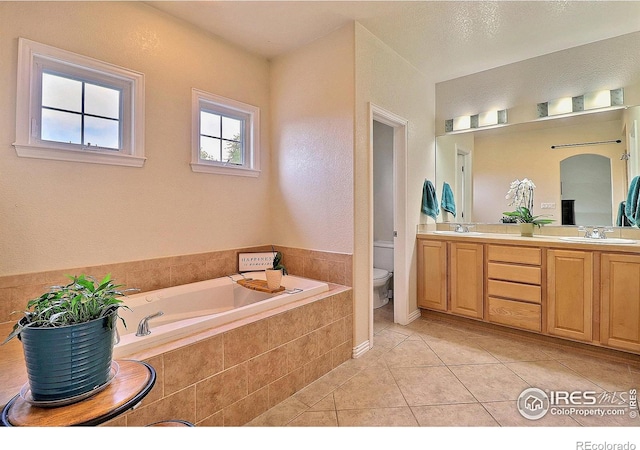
{"points": [[457, 233], [597, 241]]}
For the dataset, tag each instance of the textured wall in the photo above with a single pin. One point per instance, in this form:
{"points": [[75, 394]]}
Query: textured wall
{"points": [[58, 214], [607, 64], [312, 92]]}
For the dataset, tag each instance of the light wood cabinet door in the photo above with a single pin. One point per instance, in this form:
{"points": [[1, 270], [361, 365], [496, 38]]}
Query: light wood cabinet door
{"points": [[432, 275], [467, 279], [620, 301], [570, 294]]}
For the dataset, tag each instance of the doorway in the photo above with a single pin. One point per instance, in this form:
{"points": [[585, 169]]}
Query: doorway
{"points": [[398, 126]]}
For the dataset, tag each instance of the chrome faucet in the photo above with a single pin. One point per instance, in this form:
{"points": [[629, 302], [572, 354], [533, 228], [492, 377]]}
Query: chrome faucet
{"points": [[143, 326], [461, 228], [595, 232]]}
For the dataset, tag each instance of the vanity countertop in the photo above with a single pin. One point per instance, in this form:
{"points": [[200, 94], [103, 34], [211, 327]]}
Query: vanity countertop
{"points": [[566, 242]]}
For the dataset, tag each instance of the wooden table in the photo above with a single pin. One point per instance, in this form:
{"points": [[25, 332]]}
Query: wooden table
{"points": [[132, 383]]}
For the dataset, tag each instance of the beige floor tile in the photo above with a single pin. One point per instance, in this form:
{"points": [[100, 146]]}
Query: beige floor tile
{"points": [[373, 387], [380, 417], [509, 350], [507, 415], [551, 375], [411, 353], [326, 384], [609, 376], [490, 382], [326, 404], [315, 419], [387, 339], [460, 415], [461, 352], [280, 415], [430, 386], [434, 332]]}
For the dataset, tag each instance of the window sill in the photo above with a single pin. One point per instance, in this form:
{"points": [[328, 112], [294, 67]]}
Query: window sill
{"points": [[224, 170], [85, 156]]}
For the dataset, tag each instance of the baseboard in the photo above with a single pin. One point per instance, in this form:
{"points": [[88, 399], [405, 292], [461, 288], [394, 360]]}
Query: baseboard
{"points": [[361, 349]]}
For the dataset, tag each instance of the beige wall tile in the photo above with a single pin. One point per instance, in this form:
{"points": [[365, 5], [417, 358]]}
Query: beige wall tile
{"points": [[147, 280], [286, 327], [318, 367], [247, 409], [268, 367], [286, 386], [221, 390], [214, 420], [301, 351], [180, 405], [342, 304], [192, 363], [341, 353], [318, 314], [245, 342], [330, 336]]}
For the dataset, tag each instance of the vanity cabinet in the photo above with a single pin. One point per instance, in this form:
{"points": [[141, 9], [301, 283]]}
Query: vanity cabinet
{"points": [[432, 275], [514, 286], [466, 279], [570, 294], [620, 301]]}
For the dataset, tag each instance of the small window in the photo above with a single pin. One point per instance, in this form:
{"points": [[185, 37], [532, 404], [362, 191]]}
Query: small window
{"points": [[77, 109], [225, 136]]}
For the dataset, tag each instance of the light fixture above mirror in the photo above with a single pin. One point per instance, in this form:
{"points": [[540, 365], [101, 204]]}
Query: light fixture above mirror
{"points": [[481, 120], [585, 102]]}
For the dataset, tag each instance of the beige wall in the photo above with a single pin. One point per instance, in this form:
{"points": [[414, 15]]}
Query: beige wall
{"points": [[390, 82], [312, 95], [606, 64], [59, 214]]}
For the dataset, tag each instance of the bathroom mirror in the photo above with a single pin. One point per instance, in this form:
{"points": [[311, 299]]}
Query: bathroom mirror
{"points": [[581, 164]]}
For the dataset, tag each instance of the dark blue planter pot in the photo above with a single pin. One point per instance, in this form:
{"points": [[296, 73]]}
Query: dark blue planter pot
{"points": [[68, 361]]}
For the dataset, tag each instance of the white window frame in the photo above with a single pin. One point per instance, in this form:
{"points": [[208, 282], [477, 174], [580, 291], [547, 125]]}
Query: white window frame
{"points": [[216, 103], [33, 59]]}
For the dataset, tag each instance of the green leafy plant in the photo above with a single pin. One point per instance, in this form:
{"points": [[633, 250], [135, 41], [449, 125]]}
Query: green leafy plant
{"points": [[523, 215], [80, 301], [277, 263]]}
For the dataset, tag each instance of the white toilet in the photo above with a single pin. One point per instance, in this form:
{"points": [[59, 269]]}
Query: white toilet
{"points": [[382, 272]]}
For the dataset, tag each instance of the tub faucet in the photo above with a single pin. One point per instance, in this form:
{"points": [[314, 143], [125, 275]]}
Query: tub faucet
{"points": [[143, 326]]}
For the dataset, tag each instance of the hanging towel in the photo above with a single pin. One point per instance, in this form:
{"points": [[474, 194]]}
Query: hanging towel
{"points": [[632, 207], [621, 220], [429, 200], [448, 202]]}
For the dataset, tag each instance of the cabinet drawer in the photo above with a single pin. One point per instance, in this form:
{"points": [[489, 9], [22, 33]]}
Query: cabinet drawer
{"points": [[520, 255], [516, 314], [515, 291], [519, 274]]}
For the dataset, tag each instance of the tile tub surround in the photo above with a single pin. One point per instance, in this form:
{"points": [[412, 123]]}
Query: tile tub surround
{"points": [[148, 275], [229, 375]]}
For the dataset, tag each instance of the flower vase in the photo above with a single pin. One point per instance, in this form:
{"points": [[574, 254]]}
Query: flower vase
{"points": [[526, 229]]}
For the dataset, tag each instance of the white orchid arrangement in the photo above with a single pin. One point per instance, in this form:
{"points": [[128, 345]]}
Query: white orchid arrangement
{"points": [[521, 193]]}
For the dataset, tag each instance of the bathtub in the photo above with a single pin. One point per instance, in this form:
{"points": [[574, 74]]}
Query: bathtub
{"points": [[194, 307]]}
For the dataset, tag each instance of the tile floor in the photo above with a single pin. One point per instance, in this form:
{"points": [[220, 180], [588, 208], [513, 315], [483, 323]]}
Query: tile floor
{"points": [[432, 373]]}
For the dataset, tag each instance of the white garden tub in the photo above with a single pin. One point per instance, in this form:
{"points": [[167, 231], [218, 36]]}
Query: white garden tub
{"points": [[194, 307]]}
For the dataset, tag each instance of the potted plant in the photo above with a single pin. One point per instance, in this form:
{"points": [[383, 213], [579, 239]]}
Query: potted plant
{"points": [[526, 220], [274, 275], [67, 335]]}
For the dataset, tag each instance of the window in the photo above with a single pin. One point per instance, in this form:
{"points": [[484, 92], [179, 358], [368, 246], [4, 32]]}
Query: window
{"points": [[225, 136], [74, 108]]}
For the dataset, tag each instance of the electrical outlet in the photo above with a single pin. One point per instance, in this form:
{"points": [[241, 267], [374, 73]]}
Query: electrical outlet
{"points": [[547, 205]]}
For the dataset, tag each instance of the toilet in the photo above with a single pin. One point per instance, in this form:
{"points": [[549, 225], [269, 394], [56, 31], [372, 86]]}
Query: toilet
{"points": [[382, 272]]}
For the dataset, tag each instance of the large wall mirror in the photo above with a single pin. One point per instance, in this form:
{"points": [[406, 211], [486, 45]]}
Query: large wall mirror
{"points": [[582, 166]]}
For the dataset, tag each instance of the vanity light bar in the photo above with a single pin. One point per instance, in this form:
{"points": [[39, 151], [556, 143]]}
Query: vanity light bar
{"points": [[585, 102], [486, 119]]}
